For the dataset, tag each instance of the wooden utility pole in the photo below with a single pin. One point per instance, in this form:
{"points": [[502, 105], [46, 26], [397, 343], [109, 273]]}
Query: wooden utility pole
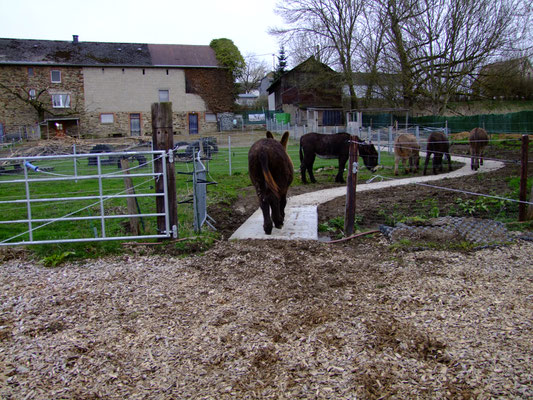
{"points": [[522, 209], [163, 139], [351, 186]]}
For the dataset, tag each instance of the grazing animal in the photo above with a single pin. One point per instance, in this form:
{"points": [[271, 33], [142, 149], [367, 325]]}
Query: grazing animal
{"points": [[335, 145], [478, 140], [271, 172], [406, 148], [439, 146]]}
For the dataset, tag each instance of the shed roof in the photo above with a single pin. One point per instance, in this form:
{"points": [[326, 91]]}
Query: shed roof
{"points": [[76, 53]]}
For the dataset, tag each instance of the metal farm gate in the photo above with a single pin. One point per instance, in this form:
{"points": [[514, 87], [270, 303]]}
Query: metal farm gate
{"points": [[50, 191]]}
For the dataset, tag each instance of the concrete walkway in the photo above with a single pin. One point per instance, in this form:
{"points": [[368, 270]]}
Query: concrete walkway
{"points": [[301, 216]]}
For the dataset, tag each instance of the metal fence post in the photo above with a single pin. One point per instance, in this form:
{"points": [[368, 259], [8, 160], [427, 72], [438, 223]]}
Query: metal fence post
{"points": [[229, 154], [390, 139], [379, 146], [417, 133]]}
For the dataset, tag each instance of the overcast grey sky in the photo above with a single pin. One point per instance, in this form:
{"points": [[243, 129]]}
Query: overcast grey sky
{"points": [[134, 21]]}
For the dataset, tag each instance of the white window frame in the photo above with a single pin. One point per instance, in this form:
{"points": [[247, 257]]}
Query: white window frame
{"points": [[210, 117], [52, 76], [162, 91], [61, 100], [107, 118]]}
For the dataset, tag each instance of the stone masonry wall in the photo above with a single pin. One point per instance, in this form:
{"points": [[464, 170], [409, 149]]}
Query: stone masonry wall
{"points": [[15, 83]]}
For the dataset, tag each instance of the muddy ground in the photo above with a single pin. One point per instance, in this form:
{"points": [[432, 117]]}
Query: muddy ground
{"points": [[278, 319], [386, 206]]}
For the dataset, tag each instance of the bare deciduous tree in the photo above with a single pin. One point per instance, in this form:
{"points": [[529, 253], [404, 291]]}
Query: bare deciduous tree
{"points": [[434, 47], [250, 77], [333, 21]]}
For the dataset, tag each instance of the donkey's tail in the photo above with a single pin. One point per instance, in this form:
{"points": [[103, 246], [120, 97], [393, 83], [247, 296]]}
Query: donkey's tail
{"points": [[269, 179]]}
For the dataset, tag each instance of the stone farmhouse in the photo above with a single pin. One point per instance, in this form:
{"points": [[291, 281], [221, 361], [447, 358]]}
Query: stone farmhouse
{"points": [[97, 89]]}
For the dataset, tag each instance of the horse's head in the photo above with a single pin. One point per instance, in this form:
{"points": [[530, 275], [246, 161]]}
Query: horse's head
{"points": [[284, 139], [369, 154]]}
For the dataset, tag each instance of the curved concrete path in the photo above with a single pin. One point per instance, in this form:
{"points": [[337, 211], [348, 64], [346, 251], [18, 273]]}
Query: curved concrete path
{"points": [[301, 216]]}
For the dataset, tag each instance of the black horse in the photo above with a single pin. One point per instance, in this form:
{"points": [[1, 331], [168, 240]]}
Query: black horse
{"points": [[335, 145]]}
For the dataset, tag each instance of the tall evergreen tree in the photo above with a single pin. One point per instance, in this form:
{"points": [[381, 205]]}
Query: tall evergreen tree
{"points": [[282, 63]]}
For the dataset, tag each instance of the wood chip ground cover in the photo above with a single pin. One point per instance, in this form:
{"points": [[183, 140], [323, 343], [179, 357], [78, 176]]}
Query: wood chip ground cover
{"points": [[271, 319]]}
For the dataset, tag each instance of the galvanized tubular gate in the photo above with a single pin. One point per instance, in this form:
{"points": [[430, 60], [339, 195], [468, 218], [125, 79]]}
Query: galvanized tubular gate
{"points": [[34, 222]]}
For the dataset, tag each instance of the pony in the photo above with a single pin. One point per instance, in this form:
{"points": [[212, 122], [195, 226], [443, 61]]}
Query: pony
{"points": [[271, 172], [478, 140], [406, 148], [439, 146], [335, 145]]}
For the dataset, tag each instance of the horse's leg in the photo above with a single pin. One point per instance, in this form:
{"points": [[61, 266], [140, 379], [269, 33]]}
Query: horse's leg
{"points": [[267, 221], [406, 162], [342, 164], [481, 156], [282, 204], [302, 171], [276, 213], [428, 156], [449, 158], [309, 160]]}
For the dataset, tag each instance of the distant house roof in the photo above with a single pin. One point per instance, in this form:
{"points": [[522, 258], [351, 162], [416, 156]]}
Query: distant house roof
{"points": [[76, 53]]}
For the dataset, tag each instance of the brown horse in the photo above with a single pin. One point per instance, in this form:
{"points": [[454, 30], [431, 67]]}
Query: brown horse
{"points": [[439, 146], [406, 148], [478, 140], [336, 145], [271, 172]]}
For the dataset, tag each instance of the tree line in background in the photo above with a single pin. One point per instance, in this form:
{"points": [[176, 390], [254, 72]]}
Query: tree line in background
{"points": [[414, 51]]}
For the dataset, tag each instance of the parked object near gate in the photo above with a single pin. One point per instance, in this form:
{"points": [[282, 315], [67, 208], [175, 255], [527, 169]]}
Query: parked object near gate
{"points": [[478, 140], [271, 172], [336, 145], [186, 150], [407, 149], [439, 146]]}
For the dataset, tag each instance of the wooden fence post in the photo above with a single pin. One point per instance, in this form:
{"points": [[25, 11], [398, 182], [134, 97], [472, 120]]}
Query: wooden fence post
{"points": [[163, 139], [130, 201], [523, 179], [351, 186]]}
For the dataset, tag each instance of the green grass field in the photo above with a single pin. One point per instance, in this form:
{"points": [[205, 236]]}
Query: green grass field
{"points": [[229, 181]]}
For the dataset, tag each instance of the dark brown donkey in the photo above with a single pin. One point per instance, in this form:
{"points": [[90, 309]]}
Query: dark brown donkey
{"points": [[478, 139], [439, 146], [271, 172], [335, 145]]}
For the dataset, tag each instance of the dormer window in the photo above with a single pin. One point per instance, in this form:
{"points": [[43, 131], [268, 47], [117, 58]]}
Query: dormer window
{"points": [[56, 76], [30, 71]]}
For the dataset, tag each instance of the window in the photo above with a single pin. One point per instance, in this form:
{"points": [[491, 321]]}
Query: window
{"points": [[209, 117], [189, 88], [56, 76], [30, 71], [107, 118], [61, 100], [32, 94], [164, 96]]}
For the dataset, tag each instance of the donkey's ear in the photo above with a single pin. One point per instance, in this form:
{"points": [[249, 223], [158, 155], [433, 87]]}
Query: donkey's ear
{"points": [[269, 135], [285, 139]]}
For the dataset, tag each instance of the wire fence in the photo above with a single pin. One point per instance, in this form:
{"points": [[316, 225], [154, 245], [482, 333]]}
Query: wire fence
{"points": [[496, 200]]}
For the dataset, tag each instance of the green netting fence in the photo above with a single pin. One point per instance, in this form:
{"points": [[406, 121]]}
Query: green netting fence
{"points": [[519, 122]]}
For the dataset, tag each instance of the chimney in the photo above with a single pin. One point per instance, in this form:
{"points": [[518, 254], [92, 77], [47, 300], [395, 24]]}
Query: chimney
{"points": [[74, 39]]}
